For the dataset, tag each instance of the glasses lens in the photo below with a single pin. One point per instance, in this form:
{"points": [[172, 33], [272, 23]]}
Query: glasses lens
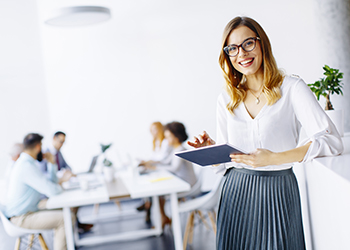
{"points": [[249, 45], [231, 50]]}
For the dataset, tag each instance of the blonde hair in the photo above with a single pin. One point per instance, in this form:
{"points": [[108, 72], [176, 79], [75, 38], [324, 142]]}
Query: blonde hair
{"points": [[235, 87], [160, 134]]}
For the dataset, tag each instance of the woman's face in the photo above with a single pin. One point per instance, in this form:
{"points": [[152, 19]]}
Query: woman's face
{"points": [[248, 63], [154, 131], [171, 138]]}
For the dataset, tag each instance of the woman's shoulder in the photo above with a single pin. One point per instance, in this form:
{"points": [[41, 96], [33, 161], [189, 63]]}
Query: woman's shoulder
{"points": [[292, 82], [223, 97]]}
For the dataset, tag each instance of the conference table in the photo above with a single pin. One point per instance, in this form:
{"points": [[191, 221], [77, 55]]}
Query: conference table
{"points": [[126, 185]]}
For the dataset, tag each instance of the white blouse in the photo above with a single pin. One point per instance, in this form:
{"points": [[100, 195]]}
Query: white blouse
{"points": [[277, 127], [162, 152]]}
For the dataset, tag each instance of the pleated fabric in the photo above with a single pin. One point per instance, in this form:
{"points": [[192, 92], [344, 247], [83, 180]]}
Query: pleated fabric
{"points": [[260, 210]]}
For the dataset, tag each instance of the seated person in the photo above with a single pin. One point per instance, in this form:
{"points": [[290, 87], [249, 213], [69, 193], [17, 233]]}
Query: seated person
{"points": [[175, 133], [15, 152], [26, 186], [161, 147], [54, 148], [161, 152]]}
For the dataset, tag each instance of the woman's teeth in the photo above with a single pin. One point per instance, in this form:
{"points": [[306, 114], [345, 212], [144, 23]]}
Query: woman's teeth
{"points": [[246, 62]]}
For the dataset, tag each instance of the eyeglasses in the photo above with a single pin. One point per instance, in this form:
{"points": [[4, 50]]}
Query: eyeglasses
{"points": [[247, 45]]}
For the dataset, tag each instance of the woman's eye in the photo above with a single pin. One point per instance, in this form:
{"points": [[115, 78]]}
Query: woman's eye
{"points": [[249, 43], [232, 49]]}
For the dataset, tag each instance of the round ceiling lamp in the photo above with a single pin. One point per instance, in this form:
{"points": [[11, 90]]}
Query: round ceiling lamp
{"points": [[79, 16]]}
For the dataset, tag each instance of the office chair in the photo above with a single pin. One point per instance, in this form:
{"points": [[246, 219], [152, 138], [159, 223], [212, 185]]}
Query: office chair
{"points": [[208, 203], [19, 232]]}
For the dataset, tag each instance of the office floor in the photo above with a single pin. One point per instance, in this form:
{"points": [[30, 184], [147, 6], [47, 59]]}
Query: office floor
{"points": [[203, 238]]}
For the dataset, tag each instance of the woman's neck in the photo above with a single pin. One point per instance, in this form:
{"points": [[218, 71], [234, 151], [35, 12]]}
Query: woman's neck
{"points": [[255, 82]]}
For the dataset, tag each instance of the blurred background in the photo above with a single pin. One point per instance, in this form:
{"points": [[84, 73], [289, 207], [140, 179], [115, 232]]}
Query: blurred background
{"points": [[152, 61]]}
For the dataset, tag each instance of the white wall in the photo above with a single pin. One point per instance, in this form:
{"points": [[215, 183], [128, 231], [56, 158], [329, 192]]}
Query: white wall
{"points": [[23, 99], [333, 25], [154, 60]]}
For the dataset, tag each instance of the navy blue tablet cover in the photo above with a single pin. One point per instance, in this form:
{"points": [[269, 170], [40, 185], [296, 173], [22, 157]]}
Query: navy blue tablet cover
{"points": [[210, 155]]}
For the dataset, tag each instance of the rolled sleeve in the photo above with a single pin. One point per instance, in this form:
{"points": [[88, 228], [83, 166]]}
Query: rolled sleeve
{"points": [[321, 132]]}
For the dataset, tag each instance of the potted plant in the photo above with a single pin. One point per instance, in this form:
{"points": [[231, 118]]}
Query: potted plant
{"points": [[108, 169], [329, 85]]}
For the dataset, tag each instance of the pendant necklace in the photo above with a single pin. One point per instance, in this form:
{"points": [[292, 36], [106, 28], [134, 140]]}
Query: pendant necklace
{"points": [[257, 101]]}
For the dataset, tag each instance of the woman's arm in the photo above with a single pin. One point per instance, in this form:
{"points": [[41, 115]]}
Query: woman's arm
{"points": [[264, 157], [173, 166]]}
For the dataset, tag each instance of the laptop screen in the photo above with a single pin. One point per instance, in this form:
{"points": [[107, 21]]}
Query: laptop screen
{"points": [[93, 163]]}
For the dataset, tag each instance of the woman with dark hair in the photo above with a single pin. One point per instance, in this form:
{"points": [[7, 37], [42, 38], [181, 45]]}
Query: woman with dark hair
{"points": [[175, 134], [262, 113]]}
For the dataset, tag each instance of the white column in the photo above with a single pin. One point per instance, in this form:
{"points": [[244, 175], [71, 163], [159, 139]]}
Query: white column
{"points": [[333, 26]]}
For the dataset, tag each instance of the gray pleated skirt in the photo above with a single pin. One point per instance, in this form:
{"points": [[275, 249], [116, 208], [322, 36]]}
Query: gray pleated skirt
{"points": [[260, 210]]}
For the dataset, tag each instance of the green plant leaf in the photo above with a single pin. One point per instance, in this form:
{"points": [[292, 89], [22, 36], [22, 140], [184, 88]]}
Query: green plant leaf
{"points": [[105, 147], [107, 162], [331, 83]]}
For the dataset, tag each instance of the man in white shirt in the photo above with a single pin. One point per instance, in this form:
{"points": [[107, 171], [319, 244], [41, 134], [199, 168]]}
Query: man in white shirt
{"points": [[26, 186]]}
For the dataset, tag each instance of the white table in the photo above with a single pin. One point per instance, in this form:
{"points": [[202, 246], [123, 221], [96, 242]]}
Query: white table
{"points": [[151, 185], [75, 198], [157, 184]]}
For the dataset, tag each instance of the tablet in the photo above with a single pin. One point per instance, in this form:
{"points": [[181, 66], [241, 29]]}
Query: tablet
{"points": [[210, 155]]}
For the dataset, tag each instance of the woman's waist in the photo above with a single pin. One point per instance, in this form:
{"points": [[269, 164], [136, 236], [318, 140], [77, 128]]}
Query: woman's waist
{"points": [[265, 168]]}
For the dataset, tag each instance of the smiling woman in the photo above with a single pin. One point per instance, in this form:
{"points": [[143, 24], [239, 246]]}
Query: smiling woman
{"points": [[247, 63], [262, 113]]}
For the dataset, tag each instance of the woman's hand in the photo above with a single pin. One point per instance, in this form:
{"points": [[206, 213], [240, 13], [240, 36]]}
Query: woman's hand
{"points": [[142, 163], [201, 141], [150, 166], [259, 158], [147, 163]]}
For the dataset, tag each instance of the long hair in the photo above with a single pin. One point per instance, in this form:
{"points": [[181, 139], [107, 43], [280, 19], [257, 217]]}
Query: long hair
{"points": [[273, 77], [160, 134]]}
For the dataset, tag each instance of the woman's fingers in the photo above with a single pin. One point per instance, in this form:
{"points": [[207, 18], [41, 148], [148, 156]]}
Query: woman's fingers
{"points": [[242, 158], [201, 141], [259, 158], [194, 143]]}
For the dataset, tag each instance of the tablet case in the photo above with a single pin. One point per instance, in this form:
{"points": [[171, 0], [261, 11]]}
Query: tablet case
{"points": [[210, 155]]}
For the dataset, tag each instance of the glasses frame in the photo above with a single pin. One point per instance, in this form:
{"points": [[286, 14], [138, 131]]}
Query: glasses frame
{"points": [[240, 46]]}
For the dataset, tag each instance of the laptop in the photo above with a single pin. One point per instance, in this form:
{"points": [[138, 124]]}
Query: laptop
{"points": [[73, 182], [93, 164]]}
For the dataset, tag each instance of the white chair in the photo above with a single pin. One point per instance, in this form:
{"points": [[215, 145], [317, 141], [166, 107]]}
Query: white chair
{"points": [[196, 188], [18, 232], [208, 203]]}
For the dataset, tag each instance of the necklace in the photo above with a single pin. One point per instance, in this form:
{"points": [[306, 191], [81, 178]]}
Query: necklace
{"points": [[257, 101]]}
